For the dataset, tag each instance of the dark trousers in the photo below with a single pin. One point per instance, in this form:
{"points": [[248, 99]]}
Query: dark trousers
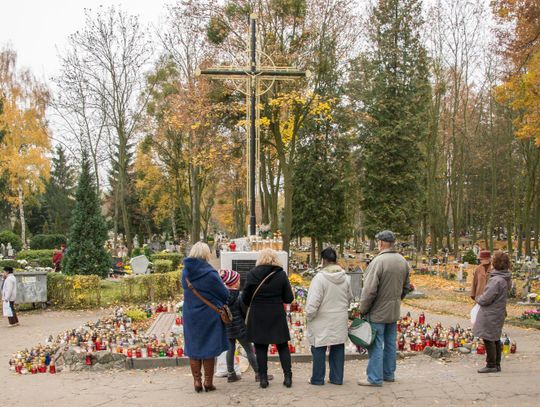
{"points": [[13, 320], [336, 359], [493, 353], [262, 357], [248, 347]]}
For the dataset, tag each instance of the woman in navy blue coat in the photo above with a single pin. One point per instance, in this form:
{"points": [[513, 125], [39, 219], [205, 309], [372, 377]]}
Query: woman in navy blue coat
{"points": [[204, 332]]}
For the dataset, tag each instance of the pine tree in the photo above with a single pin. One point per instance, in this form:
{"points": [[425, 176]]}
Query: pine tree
{"points": [[391, 88], [86, 252], [59, 190], [319, 197]]}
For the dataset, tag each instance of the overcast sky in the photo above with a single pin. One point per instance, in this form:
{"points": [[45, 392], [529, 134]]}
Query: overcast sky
{"points": [[37, 28]]}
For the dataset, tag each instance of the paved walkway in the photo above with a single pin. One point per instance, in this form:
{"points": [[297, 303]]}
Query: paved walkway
{"points": [[422, 381]]}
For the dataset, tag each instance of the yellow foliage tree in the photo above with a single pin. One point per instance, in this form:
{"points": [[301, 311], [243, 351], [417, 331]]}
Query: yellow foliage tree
{"points": [[26, 142], [520, 92]]}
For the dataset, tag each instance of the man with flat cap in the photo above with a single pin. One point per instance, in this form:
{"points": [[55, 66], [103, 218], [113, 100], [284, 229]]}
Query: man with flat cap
{"points": [[385, 285], [9, 293]]}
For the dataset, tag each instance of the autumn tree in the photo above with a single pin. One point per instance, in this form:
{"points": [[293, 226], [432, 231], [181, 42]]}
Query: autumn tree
{"points": [[25, 139], [106, 66], [305, 34]]}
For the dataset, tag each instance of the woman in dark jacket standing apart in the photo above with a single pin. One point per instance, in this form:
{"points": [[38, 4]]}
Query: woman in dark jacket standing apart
{"points": [[266, 319], [204, 332], [492, 313]]}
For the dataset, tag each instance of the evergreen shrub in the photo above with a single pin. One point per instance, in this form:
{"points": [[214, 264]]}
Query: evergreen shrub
{"points": [[47, 241], [7, 236]]}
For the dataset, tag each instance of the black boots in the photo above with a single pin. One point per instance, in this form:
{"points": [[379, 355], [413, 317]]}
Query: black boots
{"points": [[287, 382], [232, 377], [263, 380]]}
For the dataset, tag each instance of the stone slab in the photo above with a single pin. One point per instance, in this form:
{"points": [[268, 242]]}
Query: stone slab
{"points": [[162, 325], [160, 362]]}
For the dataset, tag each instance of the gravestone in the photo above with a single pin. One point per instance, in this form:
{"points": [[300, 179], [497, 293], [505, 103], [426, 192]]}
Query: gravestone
{"points": [[139, 264]]}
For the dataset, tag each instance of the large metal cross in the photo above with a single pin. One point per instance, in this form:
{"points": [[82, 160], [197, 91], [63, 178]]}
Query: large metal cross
{"points": [[253, 73]]}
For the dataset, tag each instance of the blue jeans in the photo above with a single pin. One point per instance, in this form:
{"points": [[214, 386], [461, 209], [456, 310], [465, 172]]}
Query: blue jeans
{"points": [[336, 360], [382, 354]]}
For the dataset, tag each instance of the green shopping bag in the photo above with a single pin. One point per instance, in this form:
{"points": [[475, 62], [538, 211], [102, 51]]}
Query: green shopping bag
{"points": [[362, 333]]}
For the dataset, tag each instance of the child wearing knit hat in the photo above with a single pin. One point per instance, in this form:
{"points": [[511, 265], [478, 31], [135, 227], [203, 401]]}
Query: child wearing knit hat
{"points": [[236, 331]]}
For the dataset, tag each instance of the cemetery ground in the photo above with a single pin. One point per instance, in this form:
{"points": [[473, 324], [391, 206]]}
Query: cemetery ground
{"points": [[421, 381]]}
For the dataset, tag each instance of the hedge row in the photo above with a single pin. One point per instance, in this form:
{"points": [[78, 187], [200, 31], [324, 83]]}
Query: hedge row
{"points": [[73, 291], [151, 287], [9, 263], [85, 291], [163, 266], [175, 258], [38, 258]]}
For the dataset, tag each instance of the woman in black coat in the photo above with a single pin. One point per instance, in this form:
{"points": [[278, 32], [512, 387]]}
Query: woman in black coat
{"points": [[266, 320]]}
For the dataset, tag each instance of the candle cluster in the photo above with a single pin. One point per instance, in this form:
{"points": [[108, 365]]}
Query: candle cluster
{"points": [[115, 333], [296, 317], [416, 335]]}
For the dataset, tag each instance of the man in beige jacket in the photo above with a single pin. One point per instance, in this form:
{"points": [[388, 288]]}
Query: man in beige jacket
{"points": [[386, 284]]}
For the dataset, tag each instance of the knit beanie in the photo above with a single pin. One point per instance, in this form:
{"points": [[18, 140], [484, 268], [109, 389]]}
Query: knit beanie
{"points": [[229, 277]]}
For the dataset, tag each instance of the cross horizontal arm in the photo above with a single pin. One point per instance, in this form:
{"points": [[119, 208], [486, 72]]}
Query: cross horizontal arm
{"points": [[265, 73]]}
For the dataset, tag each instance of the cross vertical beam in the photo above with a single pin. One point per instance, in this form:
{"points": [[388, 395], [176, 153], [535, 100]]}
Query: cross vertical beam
{"points": [[252, 129]]}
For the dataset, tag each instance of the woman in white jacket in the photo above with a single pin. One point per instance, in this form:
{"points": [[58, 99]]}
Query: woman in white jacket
{"points": [[327, 308], [9, 293]]}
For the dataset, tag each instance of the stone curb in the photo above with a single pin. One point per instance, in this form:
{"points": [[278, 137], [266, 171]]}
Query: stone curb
{"points": [[161, 362]]}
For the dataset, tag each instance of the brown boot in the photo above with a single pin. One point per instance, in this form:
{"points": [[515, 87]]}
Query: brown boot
{"points": [[209, 374], [196, 365]]}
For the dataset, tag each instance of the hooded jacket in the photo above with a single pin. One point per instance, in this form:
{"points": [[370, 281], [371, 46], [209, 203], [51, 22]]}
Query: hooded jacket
{"points": [[492, 313], [237, 328], [204, 333], [327, 307]]}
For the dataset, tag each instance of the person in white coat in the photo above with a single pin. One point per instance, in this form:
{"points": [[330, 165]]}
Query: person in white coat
{"points": [[327, 309], [9, 293]]}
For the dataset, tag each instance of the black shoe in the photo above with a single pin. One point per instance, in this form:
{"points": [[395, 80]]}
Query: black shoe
{"points": [[488, 370], [287, 382], [263, 380], [268, 376], [232, 377], [498, 368]]}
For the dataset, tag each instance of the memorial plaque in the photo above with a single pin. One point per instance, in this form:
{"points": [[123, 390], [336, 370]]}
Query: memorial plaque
{"points": [[242, 267]]}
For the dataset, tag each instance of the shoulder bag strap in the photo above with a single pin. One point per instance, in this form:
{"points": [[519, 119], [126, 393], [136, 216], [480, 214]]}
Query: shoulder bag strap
{"points": [[255, 293], [190, 286]]}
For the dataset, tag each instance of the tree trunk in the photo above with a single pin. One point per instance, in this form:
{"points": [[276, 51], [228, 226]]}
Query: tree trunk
{"points": [[313, 259], [288, 209], [509, 230], [21, 213], [195, 206]]}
